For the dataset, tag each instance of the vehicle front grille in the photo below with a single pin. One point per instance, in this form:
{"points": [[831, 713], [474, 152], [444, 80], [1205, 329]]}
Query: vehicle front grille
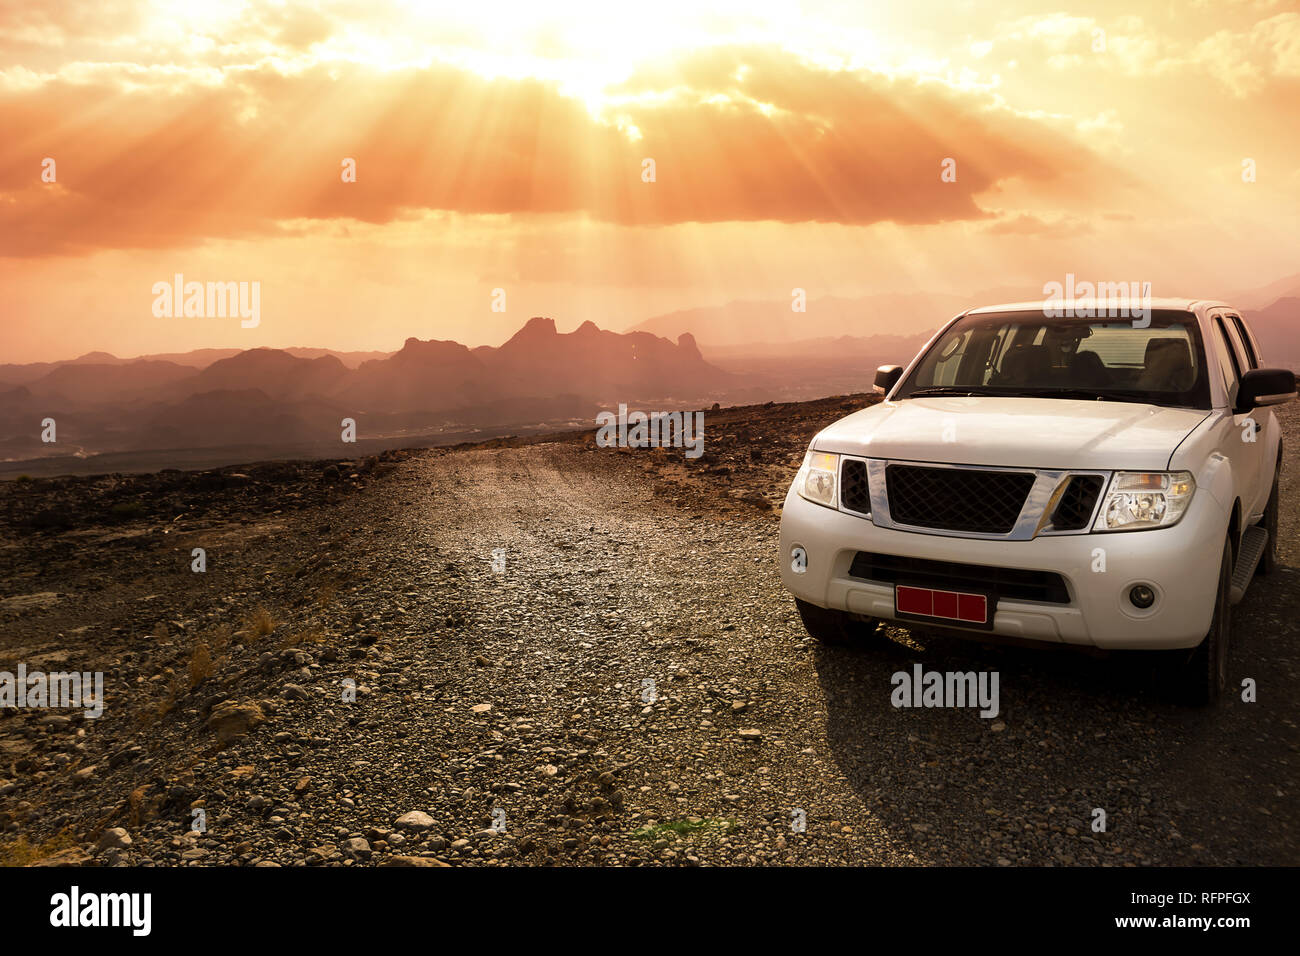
{"points": [[854, 493], [957, 499], [1077, 502], [1012, 583]]}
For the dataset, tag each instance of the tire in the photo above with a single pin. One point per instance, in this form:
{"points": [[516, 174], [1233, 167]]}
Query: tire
{"points": [[834, 627], [1268, 561], [1205, 673]]}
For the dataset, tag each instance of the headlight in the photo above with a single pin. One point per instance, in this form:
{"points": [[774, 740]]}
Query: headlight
{"points": [[816, 479], [1145, 499]]}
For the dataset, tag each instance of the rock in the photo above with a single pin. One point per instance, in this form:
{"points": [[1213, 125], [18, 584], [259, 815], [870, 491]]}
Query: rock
{"points": [[231, 719], [481, 708], [751, 734], [115, 838], [413, 861], [357, 846], [73, 856], [322, 853], [415, 820], [295, 692]]}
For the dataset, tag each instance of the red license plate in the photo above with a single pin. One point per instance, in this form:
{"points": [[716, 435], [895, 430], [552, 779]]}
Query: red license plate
{"points": [[963, 608]]}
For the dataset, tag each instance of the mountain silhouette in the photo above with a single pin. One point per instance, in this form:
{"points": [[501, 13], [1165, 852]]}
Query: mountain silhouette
{"points": [[267, 396]]}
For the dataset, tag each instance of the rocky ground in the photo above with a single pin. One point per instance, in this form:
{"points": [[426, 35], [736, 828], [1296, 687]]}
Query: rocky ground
{"points": [[565, 654]]}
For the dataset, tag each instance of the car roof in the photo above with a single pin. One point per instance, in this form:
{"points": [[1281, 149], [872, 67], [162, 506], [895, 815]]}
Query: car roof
{"points": [[1103, 305]]}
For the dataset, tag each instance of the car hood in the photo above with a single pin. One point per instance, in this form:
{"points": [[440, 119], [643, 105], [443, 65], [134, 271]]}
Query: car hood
{"points": [[1015, 432]]}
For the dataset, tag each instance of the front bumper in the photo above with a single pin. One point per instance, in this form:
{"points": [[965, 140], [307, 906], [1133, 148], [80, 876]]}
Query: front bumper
{"points": [[1181, 564]]}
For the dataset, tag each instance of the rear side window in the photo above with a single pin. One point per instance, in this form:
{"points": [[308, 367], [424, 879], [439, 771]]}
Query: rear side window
{"points": [[1246, 339], [1227, 360], [1238, 347]]}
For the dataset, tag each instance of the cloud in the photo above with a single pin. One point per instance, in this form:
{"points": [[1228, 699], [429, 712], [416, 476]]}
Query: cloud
{"points": [[1245, 61], [1028, 224], [158, 158]]}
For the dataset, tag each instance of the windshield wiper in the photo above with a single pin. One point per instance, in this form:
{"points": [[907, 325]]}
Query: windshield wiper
{"points": [[945, 390], [1095, 395]]}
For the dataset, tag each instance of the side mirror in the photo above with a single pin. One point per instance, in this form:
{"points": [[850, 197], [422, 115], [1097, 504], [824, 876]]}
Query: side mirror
{"points": [[1260, 387], [886, 377]]}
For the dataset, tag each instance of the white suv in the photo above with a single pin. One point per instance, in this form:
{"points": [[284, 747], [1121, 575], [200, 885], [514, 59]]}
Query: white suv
{"points": [[1080, 480]]}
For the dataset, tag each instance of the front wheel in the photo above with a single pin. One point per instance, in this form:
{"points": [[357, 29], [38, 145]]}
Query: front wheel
{"points": [[835, 627], [1205, 673]]}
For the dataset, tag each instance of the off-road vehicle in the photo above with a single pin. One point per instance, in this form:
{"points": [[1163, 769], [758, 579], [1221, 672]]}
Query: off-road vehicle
{"points": [[1077, 479]]}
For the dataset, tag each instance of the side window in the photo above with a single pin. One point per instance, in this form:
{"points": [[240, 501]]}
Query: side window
{"points": [[1246, 340], [1227, 360], [1234, 341]]}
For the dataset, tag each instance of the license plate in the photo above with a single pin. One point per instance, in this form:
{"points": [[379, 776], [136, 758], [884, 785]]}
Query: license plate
{"points": [[961, 608]]}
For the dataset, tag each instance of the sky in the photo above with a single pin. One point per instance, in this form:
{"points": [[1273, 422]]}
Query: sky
{"points": [[500, 153]]}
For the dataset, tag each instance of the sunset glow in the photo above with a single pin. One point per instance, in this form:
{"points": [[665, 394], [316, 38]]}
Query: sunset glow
{"points": [[501, 145]]}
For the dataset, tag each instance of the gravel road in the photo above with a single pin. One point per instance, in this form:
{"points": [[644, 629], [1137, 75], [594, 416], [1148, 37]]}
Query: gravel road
{"points": [[572, 655]]}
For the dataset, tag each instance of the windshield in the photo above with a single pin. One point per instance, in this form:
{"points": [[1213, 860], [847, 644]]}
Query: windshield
{"points": [[1029, 354]]}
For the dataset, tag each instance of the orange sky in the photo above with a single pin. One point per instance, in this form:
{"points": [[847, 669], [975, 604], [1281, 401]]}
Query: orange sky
{"points": [[500, 145]]}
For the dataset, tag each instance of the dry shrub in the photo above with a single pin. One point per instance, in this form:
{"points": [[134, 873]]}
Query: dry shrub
{"points": [[201, 665], [22, 853], [327, 594], [311, 635], [258, 625], [219, 637]]}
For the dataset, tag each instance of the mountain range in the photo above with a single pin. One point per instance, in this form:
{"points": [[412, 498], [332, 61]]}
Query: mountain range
{"points": [[299, 397]]}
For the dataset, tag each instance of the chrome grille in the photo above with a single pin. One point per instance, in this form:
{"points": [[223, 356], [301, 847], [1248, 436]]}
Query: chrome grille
{"points": [[957, 499]]}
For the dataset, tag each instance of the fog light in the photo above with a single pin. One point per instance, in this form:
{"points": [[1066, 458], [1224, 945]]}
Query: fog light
{"points": [[1141, 596]]}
